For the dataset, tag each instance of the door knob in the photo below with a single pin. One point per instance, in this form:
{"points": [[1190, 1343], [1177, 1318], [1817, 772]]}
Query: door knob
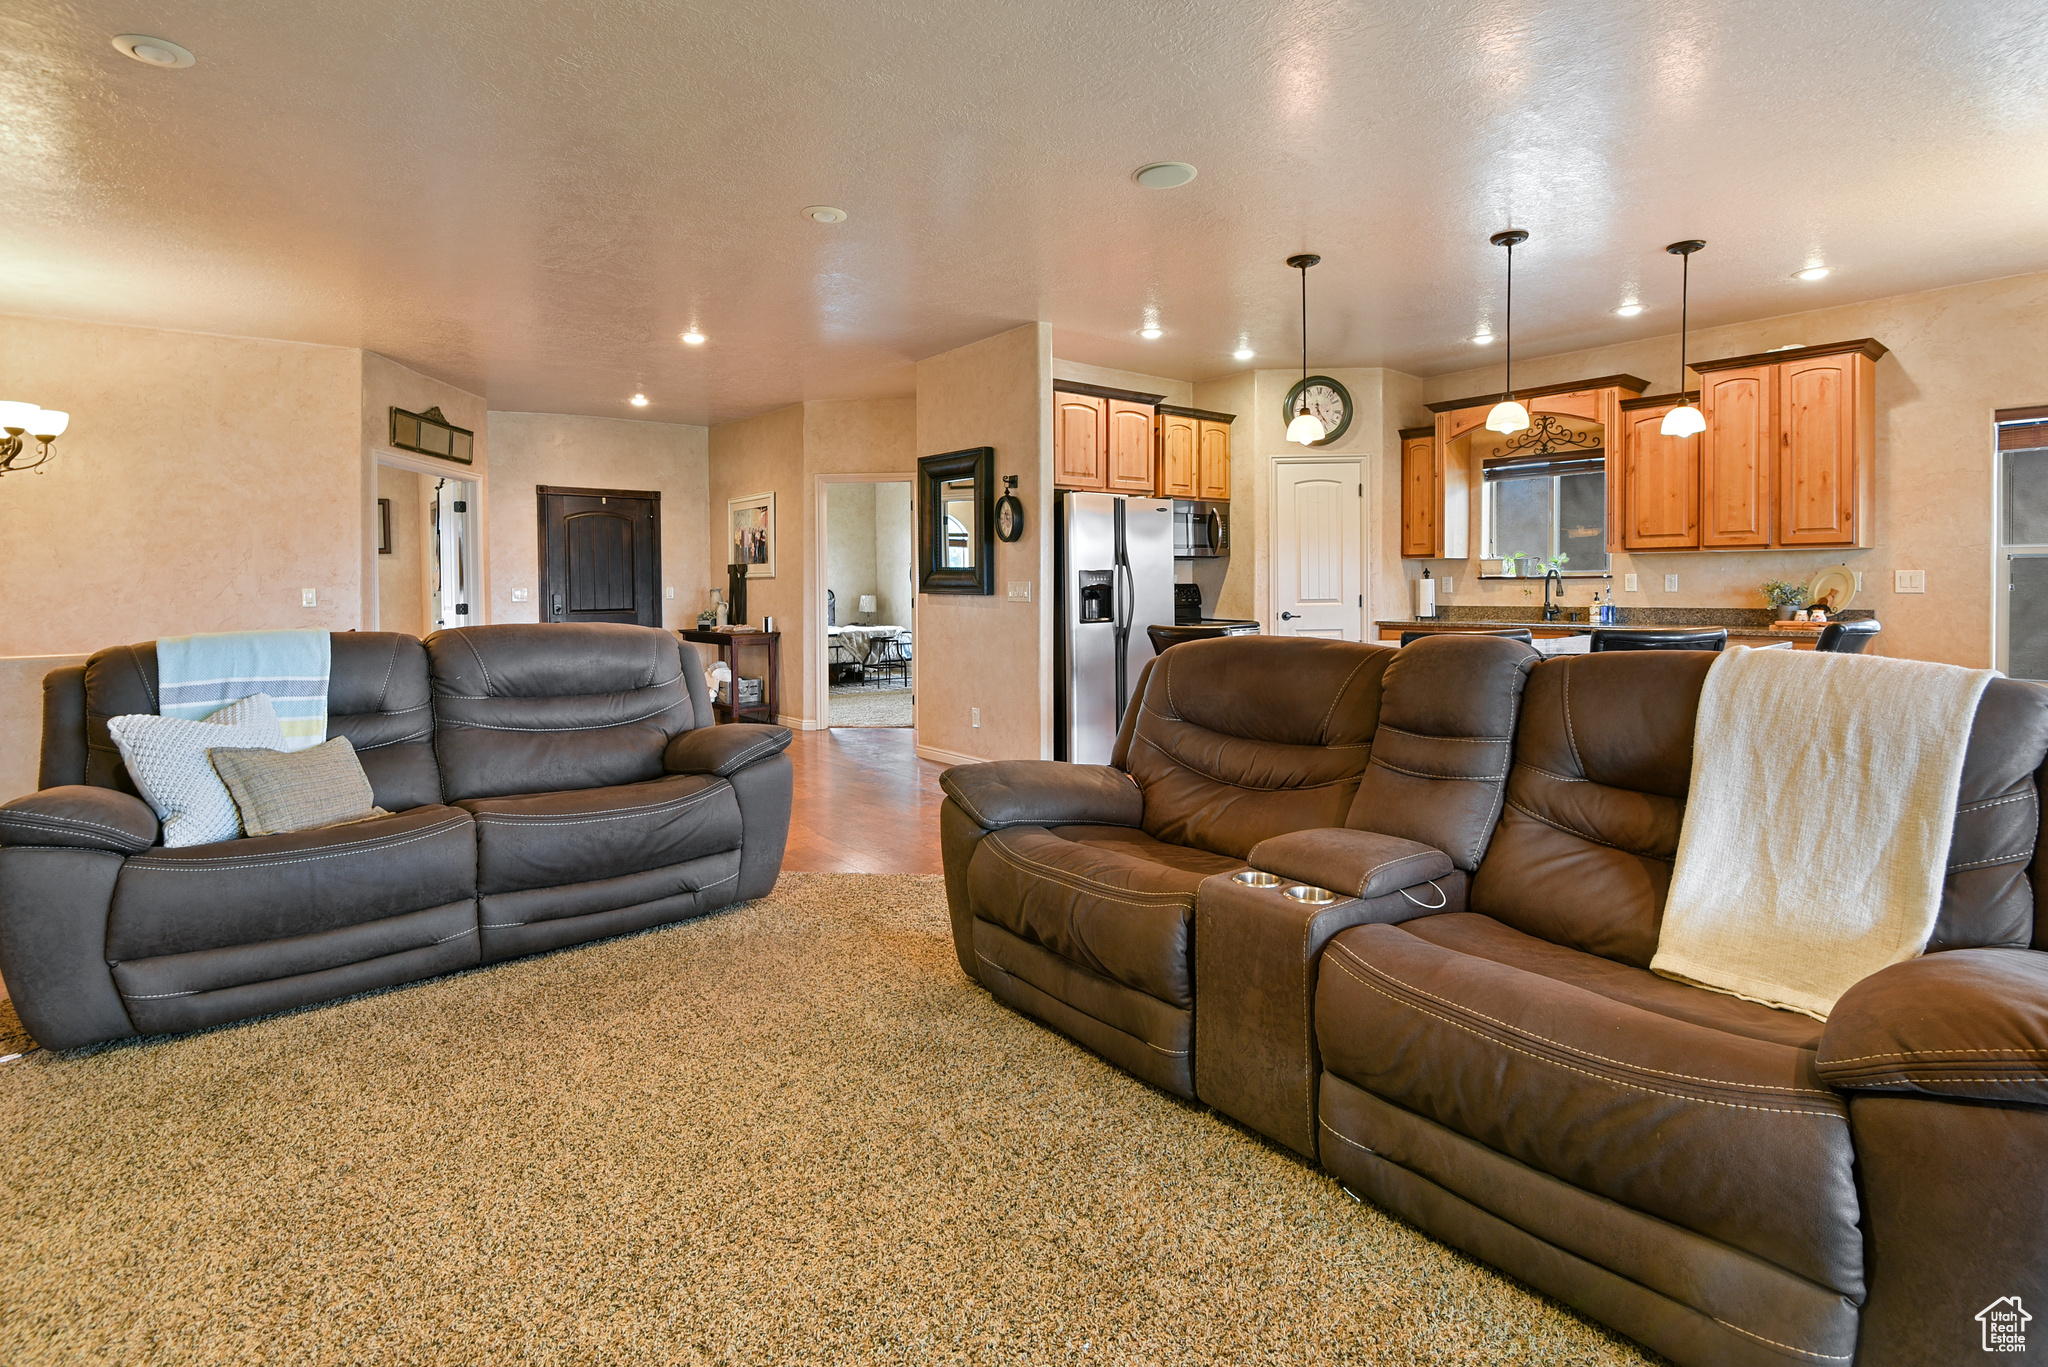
{"points": [[1288, 616]]}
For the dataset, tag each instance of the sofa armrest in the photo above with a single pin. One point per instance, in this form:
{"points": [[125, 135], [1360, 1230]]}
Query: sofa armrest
{"points": [[1362, 864], [1044, 792], [1964, 1023], [76, 816], [724, 750]]}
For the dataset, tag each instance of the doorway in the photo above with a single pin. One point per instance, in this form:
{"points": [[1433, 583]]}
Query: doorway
{"points": [[1318, 561], [2022, 616], [600, 555], [426, 534], [867, 646]]}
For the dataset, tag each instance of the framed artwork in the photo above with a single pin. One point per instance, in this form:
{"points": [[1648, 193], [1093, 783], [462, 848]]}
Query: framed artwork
{"points": [[750, 534], [383, 526]]}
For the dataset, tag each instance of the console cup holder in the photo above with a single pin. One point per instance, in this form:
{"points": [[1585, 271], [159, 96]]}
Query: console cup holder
{"points": [[1252, 878], [1315, 897]]}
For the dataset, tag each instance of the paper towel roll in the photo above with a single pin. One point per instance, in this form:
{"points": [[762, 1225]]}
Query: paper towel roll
{"points": [[1425, 598]]}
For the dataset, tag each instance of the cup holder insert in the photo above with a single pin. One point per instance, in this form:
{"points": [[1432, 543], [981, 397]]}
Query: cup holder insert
{"points": [[1315, 897], [1252, 878]]}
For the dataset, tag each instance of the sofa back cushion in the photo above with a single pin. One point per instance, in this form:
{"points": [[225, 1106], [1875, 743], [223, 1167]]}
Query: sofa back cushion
{"points": [[557, 706], [1246, 737], [1596, 798], [1440, 756], [376, 696]]}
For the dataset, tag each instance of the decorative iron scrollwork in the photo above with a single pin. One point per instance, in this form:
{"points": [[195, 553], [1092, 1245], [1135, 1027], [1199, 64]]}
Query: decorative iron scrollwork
{"points": [[1547, 434]]}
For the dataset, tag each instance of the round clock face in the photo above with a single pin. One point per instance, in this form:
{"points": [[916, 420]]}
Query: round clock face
{"points": [[1328, 400], [1009, 518]]}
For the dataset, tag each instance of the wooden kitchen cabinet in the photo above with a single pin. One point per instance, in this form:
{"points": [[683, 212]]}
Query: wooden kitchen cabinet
{"points": [[1827, 433], [1660, 480], [1736, 451], [1212, 459], [1080, 441], [1418, 492], [1130, 447], [1177, 445]]}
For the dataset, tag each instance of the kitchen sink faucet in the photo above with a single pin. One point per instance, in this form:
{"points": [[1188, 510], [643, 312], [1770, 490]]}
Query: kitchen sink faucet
{"points": [[1551, 611]]}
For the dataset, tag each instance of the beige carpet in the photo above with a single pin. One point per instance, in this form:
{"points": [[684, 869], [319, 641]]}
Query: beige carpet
{"points": [[793, 1133], [870, 707]]}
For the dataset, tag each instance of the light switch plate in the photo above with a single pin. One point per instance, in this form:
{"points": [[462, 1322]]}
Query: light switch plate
{"points": [[1020, 590], [975, 713], [1909, 581], [309, 598], [1859, 580], [519, 595], [1670, 583], [1628, 583], [1450, 585], [669, 592]]}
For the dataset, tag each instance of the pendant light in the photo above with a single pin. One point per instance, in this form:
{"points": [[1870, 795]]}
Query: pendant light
{"points": [[1306, 428], [1684, 420], [1509, 417]]}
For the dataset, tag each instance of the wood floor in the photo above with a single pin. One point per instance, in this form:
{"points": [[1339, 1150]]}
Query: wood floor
{"points": [[865, 803]]}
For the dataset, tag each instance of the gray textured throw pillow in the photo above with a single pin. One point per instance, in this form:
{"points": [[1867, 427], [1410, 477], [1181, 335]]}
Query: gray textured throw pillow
{"points": [[278, 792], [166, 756]]}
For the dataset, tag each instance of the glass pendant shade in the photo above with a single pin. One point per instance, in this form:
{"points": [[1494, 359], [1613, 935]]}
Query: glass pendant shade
{"points": [[17, 415], [1683, 421], [1306, 428], [1508, 417], [48, 425]]}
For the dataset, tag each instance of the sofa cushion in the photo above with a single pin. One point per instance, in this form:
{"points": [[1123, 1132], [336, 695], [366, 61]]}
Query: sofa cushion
{"points": [[1113, 901], [238, 892], [1242, 738], [548, 840], [551, 707], [1693, 1107]]}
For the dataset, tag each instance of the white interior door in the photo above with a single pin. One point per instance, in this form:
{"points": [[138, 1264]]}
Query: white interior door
{"points": [[1318, 550]]}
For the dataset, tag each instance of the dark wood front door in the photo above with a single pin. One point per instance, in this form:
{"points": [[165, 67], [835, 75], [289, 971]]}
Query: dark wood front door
{"points": [[600, 556]]}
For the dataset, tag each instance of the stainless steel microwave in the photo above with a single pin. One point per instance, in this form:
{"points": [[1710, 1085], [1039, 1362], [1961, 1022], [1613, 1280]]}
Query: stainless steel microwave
{"points": [[1200, 529]]}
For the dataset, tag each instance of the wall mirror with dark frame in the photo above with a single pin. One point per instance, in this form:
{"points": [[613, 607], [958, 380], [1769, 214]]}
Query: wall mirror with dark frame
{"points": [[956, 522]]}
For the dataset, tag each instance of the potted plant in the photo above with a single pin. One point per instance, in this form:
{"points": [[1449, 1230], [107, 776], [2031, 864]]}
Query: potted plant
{"points": [[1786, 598], [1508, 564]]}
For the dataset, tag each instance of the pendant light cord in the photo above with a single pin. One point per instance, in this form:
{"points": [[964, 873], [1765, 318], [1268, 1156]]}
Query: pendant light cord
{"points": [[1304, 339], [1684, 318], [1509, 378]]}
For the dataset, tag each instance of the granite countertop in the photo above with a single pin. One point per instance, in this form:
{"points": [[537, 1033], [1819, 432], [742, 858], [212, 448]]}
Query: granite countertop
{"points": [[1736, 631]]}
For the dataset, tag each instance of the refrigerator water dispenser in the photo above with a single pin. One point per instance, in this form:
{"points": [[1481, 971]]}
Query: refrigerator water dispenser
{"points": [[1098, 595]]}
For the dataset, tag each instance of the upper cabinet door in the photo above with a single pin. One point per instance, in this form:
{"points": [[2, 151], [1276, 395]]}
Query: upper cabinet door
{"points": [[1820, 465], [1660, 500], [1176, 456], [1212, 461], [1080, 441], [1737, 456], [1130, 447], [1418, 497]]}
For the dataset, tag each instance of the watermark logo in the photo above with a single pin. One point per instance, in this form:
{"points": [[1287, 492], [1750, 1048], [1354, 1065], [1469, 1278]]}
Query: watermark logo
{"points": [[2005, 1325]]}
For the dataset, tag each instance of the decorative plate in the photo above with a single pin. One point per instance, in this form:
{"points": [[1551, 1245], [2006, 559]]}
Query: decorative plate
{"points": [[1839, 580]]}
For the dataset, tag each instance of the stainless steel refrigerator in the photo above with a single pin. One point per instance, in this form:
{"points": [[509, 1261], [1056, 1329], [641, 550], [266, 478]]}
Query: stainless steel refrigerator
{"points": [[1115, 562]]}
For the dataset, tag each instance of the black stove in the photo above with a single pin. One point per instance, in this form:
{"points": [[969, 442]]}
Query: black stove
{"points": [[1187, 612]]}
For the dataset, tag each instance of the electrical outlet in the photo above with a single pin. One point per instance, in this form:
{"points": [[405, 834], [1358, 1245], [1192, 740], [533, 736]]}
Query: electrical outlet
{"points": [[1909, 581], [1670, 583], [975, 714], [1859, 581], [1450, 585], [519, 595], [1628, 583], [669, 592], [309, 598], [1020, 590]]}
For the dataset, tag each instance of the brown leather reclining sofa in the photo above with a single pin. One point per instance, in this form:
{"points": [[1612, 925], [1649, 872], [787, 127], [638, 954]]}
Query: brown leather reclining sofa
{"points": [[548, 785], [1466, 1030]]}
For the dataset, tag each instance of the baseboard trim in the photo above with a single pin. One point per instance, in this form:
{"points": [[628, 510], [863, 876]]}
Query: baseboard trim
{"points": [[799, 723], [938, 756]]}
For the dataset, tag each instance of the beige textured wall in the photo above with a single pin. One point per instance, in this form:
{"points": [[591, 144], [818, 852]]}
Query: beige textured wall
{"points": [[532, 449], [21, 718], [988, 652], [1957, 355], [402, 575], [204, 481], [850, 547], [386, 385], [895, 552]]}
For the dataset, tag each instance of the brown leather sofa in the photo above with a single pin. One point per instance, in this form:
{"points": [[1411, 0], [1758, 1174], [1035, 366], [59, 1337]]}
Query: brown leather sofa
{"points": [[1724, 1182], [548, 785]]}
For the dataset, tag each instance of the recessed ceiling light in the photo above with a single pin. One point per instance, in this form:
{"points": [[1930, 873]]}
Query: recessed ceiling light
{"points": [[639, 401], [1243, 353], [1482, 339], [1164, 175], [824, 213], [152, 51], [1811, 273], [1629, 310], [693, 338], [1151, 334]]}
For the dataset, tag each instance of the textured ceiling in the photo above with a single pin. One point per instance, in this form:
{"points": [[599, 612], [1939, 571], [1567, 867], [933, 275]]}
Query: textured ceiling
{"points": [[532, 200]]}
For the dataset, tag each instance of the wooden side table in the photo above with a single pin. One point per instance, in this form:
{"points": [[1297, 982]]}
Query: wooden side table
{"points": [[733, 647]]}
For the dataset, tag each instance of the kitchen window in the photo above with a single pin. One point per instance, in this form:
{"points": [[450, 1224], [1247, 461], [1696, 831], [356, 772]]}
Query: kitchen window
{"points": [[1545, 506]]}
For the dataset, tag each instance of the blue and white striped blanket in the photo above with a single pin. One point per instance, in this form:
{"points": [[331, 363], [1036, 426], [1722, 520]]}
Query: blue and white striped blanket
{"points": [[199, 675]]}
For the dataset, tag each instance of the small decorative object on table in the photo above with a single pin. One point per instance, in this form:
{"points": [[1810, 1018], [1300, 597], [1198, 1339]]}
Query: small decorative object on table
{"points": [[1784, 597]]}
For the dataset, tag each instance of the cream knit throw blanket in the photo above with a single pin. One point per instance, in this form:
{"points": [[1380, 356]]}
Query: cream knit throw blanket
{"points": [[1817, 826]]}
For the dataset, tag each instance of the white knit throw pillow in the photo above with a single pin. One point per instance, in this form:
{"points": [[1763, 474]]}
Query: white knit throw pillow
{"points": [[166, 756]]}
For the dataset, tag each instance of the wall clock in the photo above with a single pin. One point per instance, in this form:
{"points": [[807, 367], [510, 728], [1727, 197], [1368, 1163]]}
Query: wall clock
{"points": [[1327, 399], [1009, 512]]}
